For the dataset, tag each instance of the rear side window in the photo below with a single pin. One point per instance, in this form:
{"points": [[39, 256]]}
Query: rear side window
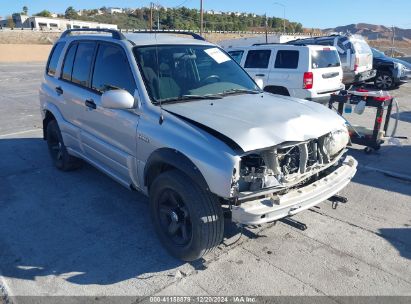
{"points": [[54, 58], [68, 62], [324, 59], [257, 59], [287, 59], [112, 70], [82, 63], [236, 55]]}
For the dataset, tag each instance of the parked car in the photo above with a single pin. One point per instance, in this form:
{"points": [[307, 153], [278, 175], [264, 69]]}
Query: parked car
{"points": [[180, 121], [306, 72], [390, 73], [355, 55]]}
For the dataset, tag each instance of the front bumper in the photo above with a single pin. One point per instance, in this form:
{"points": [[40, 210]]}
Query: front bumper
{"points": [[266, 210]]}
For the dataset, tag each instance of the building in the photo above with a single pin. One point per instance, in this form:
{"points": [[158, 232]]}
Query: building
{"points": [[47, 23], [113, 10]]}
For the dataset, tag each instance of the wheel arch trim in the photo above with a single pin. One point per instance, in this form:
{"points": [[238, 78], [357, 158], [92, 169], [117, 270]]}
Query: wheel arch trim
{"points": [[175, 159]]}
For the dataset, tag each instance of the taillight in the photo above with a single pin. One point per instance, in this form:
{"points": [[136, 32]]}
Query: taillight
{"points": [[357, 62], [308, 80]]}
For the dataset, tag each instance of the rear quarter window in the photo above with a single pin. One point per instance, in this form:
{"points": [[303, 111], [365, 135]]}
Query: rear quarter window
{"points": [[287, 59], [324, 59], [257, 59], [54, 58]]}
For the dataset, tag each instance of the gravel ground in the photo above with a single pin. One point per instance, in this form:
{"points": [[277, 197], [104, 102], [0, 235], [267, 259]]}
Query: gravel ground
{"points": [[80, 233]]}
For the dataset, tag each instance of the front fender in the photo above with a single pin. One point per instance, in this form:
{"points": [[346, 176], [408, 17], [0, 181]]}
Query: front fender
{"points": [[208, 160]]}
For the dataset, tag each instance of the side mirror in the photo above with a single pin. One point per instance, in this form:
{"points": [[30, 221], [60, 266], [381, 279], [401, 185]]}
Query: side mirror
{"points": [[117, 99], [259, 82]]}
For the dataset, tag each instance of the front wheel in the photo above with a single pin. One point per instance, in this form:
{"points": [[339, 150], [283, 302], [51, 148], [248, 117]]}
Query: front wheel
{"points": [[384, 81], [188, 220]]}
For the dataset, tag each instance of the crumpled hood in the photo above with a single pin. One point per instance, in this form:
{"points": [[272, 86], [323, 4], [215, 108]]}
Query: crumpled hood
{"points": [[260, 121]]}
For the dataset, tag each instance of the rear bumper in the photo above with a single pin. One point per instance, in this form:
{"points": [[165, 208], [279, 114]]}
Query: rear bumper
{"points": [[364, 76], [265, 210], [321, 99]]}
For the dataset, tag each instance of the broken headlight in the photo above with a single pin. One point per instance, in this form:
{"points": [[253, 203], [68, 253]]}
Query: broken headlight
{"points": [[336, 141]]}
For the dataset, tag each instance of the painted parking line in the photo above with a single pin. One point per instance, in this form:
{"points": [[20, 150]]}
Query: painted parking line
{"points": [[19, 133], [406, 177]]}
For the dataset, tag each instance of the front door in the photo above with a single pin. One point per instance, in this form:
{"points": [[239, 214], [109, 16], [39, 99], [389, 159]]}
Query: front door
{"points": [[109, 135]]}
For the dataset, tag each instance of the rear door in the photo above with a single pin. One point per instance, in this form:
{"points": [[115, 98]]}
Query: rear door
{"points": [[326, 69], [285, 69], [257, 64]]}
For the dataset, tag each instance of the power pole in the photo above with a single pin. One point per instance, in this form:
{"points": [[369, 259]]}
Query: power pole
{"points": [[266, 29], [151, 15], [393, 41], [201, 18]]}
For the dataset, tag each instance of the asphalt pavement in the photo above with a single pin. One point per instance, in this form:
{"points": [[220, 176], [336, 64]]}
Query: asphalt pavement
{"points": [[80, 233]]}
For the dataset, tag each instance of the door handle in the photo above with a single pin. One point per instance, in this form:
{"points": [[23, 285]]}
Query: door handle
{"points": [[59, 91], [260, 75], [90, 104]]}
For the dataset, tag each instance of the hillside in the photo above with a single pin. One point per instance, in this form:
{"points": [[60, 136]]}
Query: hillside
{"points": [[373, 31], [183, 18]]}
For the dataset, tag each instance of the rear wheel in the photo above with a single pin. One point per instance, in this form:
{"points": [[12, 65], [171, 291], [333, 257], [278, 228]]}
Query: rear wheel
{"points": [[58, 151], [188, 220], [384, 81]]}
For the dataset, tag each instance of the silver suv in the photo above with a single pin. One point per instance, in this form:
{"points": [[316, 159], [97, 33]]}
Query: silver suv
{"points": [[177, 119]]}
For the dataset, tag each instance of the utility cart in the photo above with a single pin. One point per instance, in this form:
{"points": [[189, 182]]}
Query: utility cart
{"points": [[382, 101]]}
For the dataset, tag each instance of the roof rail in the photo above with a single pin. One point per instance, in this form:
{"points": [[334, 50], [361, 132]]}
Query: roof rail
{"points": [[115, 33], [192, 34], [278, 43]]}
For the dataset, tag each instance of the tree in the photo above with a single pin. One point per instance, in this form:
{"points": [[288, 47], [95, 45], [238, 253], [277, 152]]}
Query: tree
{"points": [[25, 10], [71, 13], [43, 13], [10, 22]]}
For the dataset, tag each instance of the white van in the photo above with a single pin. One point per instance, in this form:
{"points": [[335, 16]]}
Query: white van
{"points": [[306, 72]]}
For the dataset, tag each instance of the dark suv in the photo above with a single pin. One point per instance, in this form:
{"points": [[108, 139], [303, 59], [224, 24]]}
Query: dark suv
{"points": [[390, 73]]}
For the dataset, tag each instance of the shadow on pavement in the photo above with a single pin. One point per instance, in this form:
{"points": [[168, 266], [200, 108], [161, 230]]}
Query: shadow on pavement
{"points": [[403, 116], [390, 158], [400, 238], [79, 225]]}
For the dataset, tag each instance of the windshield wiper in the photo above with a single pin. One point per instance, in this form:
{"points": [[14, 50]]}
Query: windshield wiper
{"points": [[185, 98], [239, 91]]}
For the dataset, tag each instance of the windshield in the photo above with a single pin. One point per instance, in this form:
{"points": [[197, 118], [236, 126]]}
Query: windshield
{"points": [[325, 59], [377, 54], [185, 72]]}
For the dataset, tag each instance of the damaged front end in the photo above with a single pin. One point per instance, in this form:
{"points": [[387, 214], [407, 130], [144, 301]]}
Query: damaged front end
{"points": [[290, 177]]}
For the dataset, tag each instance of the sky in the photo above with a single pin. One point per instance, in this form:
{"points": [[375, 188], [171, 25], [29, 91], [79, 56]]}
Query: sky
{"points": [[311, 13]]}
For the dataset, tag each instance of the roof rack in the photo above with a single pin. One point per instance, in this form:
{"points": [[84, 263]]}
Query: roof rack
{"points": [[115, 33], [194, 35]]}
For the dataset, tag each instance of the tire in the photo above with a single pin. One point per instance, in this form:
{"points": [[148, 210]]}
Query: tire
{"points": [[58, 151], [384, 81], [188, 220], [277, 90]]}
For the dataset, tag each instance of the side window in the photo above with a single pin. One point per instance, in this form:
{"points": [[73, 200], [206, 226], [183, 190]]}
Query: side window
{"points": [[112, 70], [287, 59], [54, 58], [257, 59], [82, 63], [68, 62], [236, 55]]}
